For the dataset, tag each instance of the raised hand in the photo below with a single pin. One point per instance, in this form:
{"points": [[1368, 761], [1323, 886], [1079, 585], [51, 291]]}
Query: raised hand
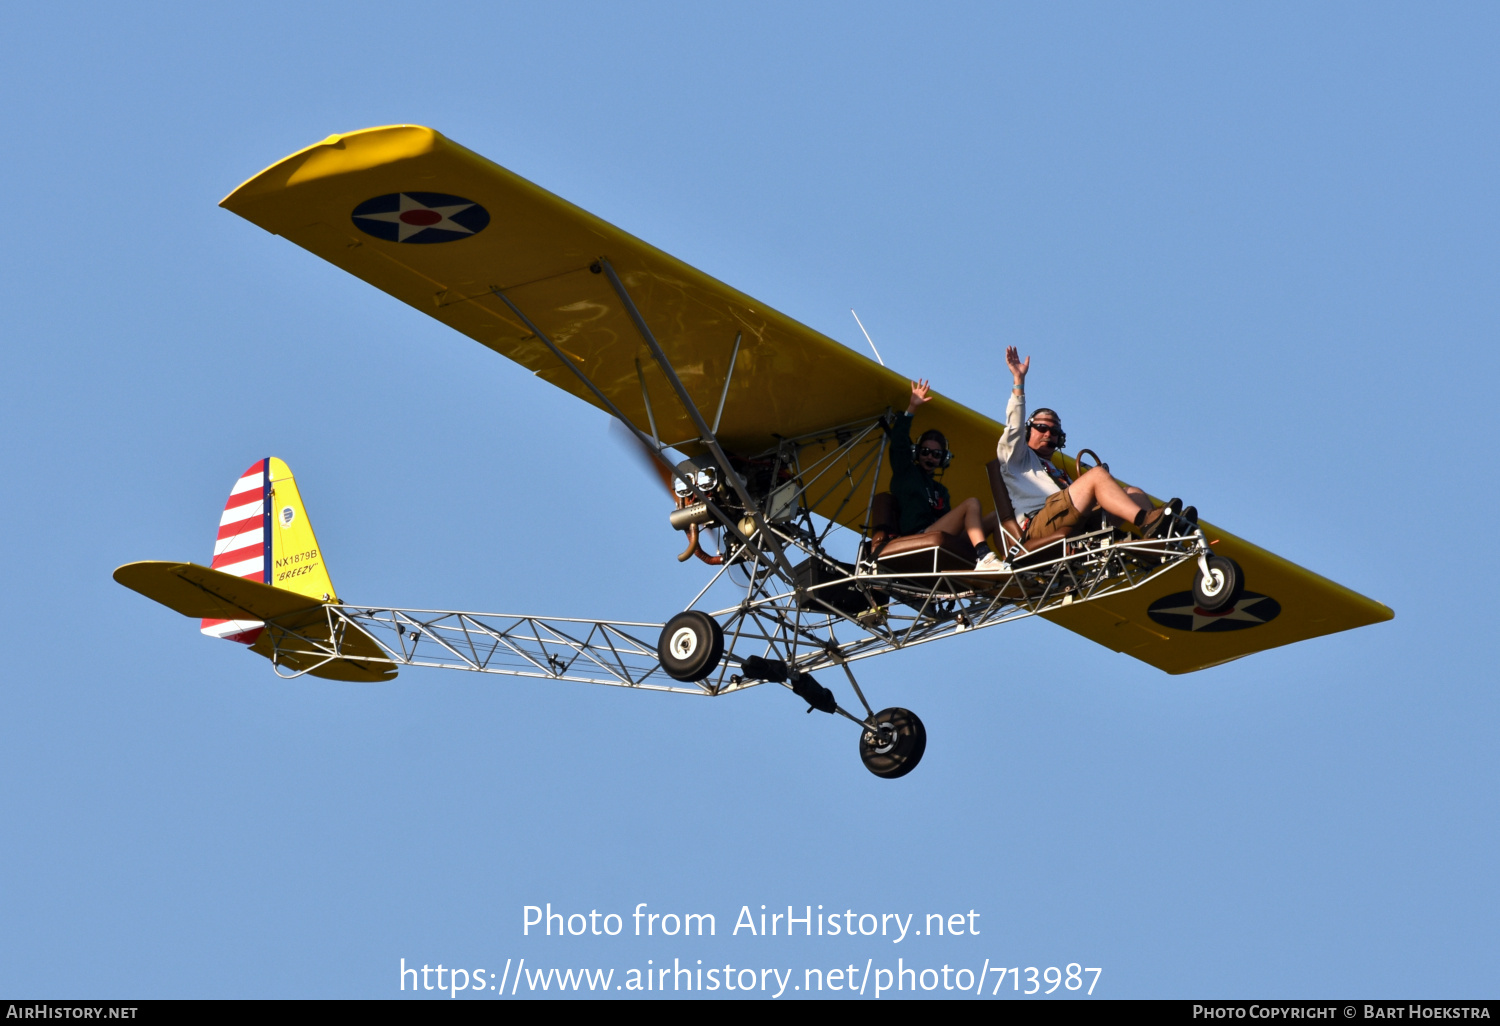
{"points": [[920, 395], [1018, 367]]}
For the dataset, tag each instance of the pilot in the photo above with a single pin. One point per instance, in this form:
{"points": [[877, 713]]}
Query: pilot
{"points": [[1046, 500], [924, 501]]}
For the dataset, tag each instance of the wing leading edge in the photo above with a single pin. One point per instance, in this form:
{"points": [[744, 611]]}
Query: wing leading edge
{"points": [[441, 228]]}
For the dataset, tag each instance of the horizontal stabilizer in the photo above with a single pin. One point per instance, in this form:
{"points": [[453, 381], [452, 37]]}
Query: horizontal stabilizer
{"points": [[197, 591], [296, 626]]}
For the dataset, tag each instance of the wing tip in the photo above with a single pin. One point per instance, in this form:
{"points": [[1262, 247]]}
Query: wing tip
{"points": [[331, 155], [135, 571]]}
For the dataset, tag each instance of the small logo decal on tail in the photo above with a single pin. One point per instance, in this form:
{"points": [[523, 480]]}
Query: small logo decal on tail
{"points": [[287, 516]]}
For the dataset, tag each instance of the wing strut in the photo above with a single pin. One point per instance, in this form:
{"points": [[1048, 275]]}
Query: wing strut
{"points": [[733, 358], [646, 398], [705, 433], [641, 435]]}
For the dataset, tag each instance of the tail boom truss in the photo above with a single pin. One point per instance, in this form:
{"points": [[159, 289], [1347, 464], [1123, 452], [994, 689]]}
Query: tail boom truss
{"points": [[797, 626]]}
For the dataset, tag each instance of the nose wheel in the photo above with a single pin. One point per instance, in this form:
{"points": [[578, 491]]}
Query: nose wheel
{"points": [[894, 745]]}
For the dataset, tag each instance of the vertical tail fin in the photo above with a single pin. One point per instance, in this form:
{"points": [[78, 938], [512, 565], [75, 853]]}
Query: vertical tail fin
{"points": [[265, 536]]}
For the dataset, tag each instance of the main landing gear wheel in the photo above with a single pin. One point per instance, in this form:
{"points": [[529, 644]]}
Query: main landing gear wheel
{"points": [[896, 748], [691, 646], [1223, 586]]}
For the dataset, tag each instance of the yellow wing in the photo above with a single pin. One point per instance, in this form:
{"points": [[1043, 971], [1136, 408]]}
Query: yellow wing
{"points": [[440, 228], [538, 248], [1157, 623]]}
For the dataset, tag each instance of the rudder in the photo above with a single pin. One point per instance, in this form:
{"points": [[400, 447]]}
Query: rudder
{"points": [[242, 547]]}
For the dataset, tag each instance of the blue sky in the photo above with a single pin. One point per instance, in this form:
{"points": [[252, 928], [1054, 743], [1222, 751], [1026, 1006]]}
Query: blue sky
{"points": [[1252, 252]]}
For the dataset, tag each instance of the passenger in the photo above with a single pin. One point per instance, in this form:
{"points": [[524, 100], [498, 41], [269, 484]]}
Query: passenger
{"points": [[924, 501], [1046, 500]]}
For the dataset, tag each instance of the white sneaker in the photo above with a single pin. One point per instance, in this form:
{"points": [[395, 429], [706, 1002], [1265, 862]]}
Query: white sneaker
{"points": [[989, 564]]}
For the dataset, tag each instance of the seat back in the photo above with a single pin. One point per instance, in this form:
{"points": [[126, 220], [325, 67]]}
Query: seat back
{"points": [[923, 552], [1008, 524], [1003, 507], [885, 520]]}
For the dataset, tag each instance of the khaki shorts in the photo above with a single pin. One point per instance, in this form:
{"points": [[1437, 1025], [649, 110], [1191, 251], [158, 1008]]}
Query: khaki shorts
{"points": [[1057, 516]]}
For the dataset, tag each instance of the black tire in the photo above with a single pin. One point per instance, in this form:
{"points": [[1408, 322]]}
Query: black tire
{"points": [[1224, 587], [691, 646], [892, 759]]}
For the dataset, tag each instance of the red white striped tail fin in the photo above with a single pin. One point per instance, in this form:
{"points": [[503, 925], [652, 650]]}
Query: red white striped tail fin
{"points": [[243, 545]]}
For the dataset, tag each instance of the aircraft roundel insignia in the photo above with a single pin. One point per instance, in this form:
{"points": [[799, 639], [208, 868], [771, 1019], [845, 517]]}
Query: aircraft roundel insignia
{"points": [[1179, 613], [420, 217]]}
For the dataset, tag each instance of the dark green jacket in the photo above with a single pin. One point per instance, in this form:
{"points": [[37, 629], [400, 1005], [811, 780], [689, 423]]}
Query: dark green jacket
{"points": [[922, 500]]}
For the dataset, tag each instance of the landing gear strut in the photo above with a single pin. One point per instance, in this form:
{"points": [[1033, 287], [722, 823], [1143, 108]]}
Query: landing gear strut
{"points": [[891, 742]]}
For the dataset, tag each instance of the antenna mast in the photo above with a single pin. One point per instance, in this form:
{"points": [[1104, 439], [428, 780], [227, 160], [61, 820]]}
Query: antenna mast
{"points": [[867, 337]]}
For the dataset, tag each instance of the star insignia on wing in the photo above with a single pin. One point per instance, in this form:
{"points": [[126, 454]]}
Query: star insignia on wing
{"points": [[1241, 612], [413, 216]]}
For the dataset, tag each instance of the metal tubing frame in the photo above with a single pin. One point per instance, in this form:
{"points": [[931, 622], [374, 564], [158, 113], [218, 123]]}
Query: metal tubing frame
{"points": [[779, 624]]}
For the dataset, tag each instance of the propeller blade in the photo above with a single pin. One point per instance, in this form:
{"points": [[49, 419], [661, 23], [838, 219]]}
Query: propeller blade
{"points": [[641, 453]]}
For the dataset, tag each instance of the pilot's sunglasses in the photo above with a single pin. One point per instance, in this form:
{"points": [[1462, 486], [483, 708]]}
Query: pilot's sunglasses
{"points": [[936, 454], [1047, 429]]}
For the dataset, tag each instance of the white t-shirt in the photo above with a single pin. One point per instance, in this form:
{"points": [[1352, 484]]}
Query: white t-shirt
{"points": [[1026, 479]]}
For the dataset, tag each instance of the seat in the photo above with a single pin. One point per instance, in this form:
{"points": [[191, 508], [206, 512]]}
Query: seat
{"points": [[936, 551], [1035, 550], [929, 552]]}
